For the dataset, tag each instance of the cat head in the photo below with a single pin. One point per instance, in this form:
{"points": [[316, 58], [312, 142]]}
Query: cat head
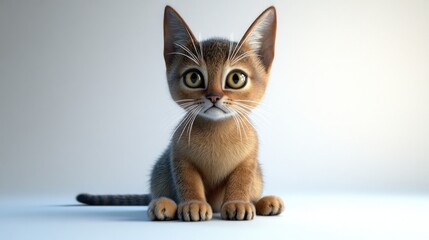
{"points": [[218, 78]]}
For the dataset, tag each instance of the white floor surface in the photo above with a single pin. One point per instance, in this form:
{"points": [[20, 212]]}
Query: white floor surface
{"points": [[307, 216]]}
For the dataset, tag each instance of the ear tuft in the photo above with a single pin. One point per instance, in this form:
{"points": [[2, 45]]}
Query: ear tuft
{"points": [[261, 36]]}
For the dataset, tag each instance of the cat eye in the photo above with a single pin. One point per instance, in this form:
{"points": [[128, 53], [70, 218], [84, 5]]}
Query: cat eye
{"points": [[236, 80], [193, 79]]}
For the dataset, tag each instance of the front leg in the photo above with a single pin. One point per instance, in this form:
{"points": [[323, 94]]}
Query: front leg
{"points": [[190, 188], [237, 203]]}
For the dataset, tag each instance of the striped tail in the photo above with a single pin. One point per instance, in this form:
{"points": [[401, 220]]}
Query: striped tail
{"points": [[115, 200]]}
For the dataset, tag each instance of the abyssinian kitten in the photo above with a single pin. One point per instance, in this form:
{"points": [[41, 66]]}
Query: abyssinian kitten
{"points": [[211, 164]]}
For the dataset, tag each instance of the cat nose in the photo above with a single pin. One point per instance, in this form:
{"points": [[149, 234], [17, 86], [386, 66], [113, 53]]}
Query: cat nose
{"points": [[213, 98]]}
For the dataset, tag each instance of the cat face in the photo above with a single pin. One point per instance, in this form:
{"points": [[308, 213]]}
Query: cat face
{"points": [[217, 78]]}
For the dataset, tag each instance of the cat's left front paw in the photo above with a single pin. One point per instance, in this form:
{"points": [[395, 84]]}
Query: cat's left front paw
{"points": [[237, 210], [269, 206]]}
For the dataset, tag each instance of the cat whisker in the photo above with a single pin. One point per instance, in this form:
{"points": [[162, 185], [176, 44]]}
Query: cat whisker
{"points": [[255, 39], [243, 55], [187, 50], [243, 114], [237, 49], [231, 43], [192, 123], [257, 114], [182, 122], [234, 113], [200, 42], [189, 118], [250, 105], [242, 123], [240, 117], [187, 115], [238, 46], [182, 54], [178, 126], [193, 43], [185, 105], [251, 108], [250, 102], [246, 120], [188, 108], [238, 126], [242, 100], [259, 107], [185, 100], [247, 109]]}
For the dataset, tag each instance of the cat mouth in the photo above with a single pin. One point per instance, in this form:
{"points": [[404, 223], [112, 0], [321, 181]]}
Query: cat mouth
{"points": [[214, 108]]}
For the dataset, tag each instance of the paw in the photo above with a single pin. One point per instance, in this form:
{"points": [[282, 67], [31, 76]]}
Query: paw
{"points": [[269, 206], [162, 209], [195, 211], [237, 210]]}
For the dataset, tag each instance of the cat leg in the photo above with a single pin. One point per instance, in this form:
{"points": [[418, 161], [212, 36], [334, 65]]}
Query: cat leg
{"points": [[162, 209], [193, 204], [237, 203], [269, 206]]}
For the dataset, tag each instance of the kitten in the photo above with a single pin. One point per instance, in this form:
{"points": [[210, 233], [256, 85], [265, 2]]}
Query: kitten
{"points": [[211, 163]]}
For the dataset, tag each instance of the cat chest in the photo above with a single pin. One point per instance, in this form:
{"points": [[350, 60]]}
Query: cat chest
{"points": [[217, 158]]}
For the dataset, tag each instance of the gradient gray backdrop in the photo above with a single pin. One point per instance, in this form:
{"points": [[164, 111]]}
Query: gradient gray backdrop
{"points": [[84, 104]]}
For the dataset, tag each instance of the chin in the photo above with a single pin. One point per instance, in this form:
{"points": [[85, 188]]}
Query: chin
{"points": [[215, 115]]}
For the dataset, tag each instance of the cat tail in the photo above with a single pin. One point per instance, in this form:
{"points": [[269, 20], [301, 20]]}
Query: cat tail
{"points": [[115, 200]]}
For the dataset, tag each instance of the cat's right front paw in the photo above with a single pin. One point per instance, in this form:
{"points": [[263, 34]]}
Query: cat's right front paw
{"points": [[162, 209], [195, 211]]}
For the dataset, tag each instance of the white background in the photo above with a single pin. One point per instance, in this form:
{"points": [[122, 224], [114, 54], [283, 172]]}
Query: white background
{"points": [[84, 103]]}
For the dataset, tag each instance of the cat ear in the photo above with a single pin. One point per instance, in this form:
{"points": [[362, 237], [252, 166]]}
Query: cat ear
{"points": [[176, 32], [261, 36]]}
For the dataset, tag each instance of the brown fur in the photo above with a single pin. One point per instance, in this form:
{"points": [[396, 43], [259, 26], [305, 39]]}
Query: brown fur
{"points": [[214, 169]]}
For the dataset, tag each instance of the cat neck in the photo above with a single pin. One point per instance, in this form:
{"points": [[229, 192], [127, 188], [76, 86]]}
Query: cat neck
{"points": [[223, 125]]}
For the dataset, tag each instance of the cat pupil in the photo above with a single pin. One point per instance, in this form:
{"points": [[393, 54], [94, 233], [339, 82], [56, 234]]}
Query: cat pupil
{"points": [[235, 78], [194, 77]]}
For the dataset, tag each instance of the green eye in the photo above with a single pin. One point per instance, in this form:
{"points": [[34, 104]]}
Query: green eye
{"points": [[236, 80], [193, 79]]}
